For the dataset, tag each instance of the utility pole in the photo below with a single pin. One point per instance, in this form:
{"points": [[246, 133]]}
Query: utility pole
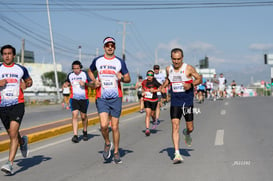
{"points": [[97, 52], [53, 53], [23, 52], [123, 38], [268, 59], [156, 56], [80, 53]]}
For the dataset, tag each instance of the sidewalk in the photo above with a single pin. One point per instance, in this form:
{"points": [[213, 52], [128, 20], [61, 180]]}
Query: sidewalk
{"points": [[51, 129]]}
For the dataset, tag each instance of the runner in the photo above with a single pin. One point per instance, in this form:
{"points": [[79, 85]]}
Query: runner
{"points": [[215, 82], [209, 88], [150, 87], [14, 78], [222, 85], [162, 96], [79, 101], [66, 96], [180, 76], [242, 89], [201, 89], [138, 87], [111, 71], [233, 88]]}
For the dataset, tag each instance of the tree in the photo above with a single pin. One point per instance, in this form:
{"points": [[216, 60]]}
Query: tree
{"points": [[48, 78]]}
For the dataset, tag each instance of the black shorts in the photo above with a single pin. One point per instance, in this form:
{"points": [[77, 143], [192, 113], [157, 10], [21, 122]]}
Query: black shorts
{"points": [[66, 95], [12, 113], [178, 111], [151, 105], [139, 94], [164, 95], [81, 105]]}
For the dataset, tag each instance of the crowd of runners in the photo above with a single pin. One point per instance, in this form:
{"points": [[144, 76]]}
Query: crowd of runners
{"points": [[178, 84]]}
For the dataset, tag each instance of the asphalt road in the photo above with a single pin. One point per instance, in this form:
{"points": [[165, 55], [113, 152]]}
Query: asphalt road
{"points": [[231, 141]]}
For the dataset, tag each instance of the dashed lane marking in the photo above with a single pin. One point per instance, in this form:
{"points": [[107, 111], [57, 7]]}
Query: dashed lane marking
{"points": [[219, 138], [223, 112]]}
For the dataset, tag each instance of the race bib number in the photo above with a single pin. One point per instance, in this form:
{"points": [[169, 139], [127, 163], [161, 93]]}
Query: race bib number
{"points": [[10, 94], [149, 95], [76, 84], [178, 87], [108, 83]]}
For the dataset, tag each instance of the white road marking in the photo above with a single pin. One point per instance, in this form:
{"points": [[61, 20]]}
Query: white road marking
{"points": [[65, 140], [219, 139], [226, 103], [223, 112], [241, 163]]}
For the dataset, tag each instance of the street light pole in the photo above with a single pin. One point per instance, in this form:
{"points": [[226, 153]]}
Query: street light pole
{"points": [[53, 53]]}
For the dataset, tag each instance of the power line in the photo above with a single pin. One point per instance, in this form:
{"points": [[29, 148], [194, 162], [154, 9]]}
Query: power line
{"points": [[133, 5]]}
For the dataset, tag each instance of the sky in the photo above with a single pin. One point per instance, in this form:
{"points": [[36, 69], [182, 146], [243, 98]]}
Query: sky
{"points": [[234, 35]]}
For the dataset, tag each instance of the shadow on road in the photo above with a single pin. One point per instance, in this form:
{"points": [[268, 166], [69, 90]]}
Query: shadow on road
{"points": [[170, 151], [122, 153], [27, 163]]}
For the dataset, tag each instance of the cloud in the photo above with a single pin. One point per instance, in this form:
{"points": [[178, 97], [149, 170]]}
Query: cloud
{"points": [[201, 46], [170, 45], [261, 47], [197, 46]]}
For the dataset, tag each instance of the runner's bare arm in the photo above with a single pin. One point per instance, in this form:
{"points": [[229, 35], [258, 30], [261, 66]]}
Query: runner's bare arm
{"points": [[126, 78], [3, 82], [197, 77], [28, 82], [166, 82]]}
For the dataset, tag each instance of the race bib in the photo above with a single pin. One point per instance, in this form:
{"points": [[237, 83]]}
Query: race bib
{"points": [[108, 83], [149, 95], [178, 87], [76, 84], [10, 93]]}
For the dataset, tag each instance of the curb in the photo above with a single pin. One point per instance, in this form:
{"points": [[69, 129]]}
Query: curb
{"points": [[41, 135]]}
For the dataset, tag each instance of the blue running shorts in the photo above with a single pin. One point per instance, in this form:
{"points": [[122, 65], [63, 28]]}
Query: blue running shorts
{"points": [[111, 106]]}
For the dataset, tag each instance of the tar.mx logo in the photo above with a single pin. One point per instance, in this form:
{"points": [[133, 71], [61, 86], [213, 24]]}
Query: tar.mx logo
{"points": [[189, 110]]}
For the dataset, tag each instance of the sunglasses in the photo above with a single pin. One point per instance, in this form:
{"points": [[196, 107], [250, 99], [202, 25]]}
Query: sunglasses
{"points": [[150, 74], [108, 45]]}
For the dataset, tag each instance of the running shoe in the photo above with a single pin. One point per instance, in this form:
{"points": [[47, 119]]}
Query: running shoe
{"points": [[117, 158], [107, 151], [187, 137], [85, 136], [7, 168], [24, 147], [147, 132], [75, 139], [177, 158], [157, 122], [154, 126]]}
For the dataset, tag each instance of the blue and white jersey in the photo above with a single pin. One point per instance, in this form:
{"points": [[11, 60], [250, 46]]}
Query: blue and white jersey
{"points": [[11, 93], [107, 75], [77, 91]]}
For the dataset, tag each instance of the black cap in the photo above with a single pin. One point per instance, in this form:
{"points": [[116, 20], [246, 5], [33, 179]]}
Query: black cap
{"points": [[156, 67]]}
